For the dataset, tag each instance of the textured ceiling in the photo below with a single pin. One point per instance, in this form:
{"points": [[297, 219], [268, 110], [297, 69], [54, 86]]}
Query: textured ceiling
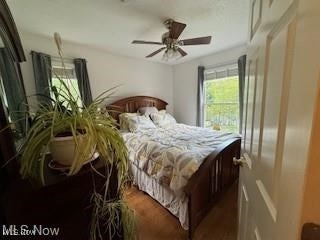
{"points": [[113, 24]]}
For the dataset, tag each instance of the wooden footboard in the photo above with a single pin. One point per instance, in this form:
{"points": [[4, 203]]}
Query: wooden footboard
{"points": [[213, 178]]}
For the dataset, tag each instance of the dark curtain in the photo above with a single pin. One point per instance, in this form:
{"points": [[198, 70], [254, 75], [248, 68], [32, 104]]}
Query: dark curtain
{"points": [[200, 96], [242, 76], [83, 80], [14, 92], [42, 75]]}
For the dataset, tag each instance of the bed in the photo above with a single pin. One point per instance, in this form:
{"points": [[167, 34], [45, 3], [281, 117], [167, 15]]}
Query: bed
{"points": [[204, 187]]}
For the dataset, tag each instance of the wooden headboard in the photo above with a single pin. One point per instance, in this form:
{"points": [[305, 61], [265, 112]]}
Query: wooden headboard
{"points": [[132, 104]]}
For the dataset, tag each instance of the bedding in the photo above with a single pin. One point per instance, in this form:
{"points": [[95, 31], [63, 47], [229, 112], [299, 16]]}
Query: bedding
{"points": [[140, 123], [124, 120], [173, 153], [163, 119]]}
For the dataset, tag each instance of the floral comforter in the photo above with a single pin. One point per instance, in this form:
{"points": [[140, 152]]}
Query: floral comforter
{"points": [[171, 155]]}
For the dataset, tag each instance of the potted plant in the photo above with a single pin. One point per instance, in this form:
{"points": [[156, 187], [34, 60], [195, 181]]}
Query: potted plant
{"points": [[87, 129]]}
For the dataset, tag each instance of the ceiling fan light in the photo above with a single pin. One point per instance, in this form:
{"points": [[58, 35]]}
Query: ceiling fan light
{"points": [[165, 56], [176, 54], [171, 53]]}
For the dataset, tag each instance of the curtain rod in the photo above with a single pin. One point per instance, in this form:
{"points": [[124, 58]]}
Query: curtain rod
{"points": [[221, 64]]}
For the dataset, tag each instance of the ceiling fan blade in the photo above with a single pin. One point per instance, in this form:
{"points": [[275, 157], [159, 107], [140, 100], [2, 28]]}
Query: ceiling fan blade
{"points": [[155, 52], [182, 52], [146, 42], [196, 41], [176, 29]]}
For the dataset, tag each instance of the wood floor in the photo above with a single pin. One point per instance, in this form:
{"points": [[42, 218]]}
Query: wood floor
{"points": [[156, 223]]}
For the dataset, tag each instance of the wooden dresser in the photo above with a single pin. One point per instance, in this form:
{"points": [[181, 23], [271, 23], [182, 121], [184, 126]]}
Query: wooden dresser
{"points": [[64, 202]]}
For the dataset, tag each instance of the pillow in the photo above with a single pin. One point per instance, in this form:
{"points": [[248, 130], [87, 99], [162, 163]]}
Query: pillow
{"points": [[163, 119], [147, 110], [124, 120], [138, 123]]}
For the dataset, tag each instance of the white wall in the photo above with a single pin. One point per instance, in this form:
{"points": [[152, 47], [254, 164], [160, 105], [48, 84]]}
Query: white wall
{"points": [[175, 84], [105, 70], [185, 77]]}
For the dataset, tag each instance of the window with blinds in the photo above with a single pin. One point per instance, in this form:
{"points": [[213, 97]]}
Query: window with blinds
{"points": [[68, 76], [221, 103]]}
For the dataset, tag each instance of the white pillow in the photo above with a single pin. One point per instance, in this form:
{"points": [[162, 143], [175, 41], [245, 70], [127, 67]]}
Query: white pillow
{"points": [[124, 120], [138, 123], [147, 110], [163, 119]]}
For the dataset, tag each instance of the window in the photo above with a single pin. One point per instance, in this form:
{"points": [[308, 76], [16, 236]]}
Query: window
{"points": [[68, 76], [221, 93]]}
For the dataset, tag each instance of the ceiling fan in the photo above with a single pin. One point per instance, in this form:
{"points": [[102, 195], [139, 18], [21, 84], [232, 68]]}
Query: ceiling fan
{"points": [[172, 43]]}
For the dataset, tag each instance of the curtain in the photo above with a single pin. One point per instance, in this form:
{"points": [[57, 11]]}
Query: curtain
{"points": [[14, 92], [242, 76], [200, 96], [83, 80], [42, 75]]}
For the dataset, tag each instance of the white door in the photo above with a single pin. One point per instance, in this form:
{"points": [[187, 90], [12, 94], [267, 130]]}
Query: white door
{"points": [[280, 90]]}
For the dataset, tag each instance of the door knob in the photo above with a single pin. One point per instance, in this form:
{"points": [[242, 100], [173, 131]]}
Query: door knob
{"points": [[239, 161]]}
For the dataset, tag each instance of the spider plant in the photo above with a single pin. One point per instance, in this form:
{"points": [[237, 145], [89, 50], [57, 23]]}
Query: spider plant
{"points": [[100, 130], [101, 133]]}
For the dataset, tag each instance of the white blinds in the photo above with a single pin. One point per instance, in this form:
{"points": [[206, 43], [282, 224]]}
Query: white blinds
{"points": [[63, 73], [221, 72], [67, 73]]}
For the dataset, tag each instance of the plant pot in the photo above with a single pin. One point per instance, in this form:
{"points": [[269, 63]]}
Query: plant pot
{"points": [[63, 148]]}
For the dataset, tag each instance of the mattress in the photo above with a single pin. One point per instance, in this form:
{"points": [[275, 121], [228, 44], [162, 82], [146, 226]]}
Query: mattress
{"points": [[173, 154]]}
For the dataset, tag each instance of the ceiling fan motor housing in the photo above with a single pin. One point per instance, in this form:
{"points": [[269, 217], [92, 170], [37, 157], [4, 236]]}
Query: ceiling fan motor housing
{"points": [[169, 42], [168, 23]]}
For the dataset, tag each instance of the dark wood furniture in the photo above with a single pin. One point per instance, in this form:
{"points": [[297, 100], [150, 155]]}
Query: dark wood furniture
{"points": [[63, 202], [215, 175], [132, 104]]}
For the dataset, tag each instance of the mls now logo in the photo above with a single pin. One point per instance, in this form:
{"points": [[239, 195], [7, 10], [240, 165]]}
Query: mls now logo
{"points": [[25, 230]]}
